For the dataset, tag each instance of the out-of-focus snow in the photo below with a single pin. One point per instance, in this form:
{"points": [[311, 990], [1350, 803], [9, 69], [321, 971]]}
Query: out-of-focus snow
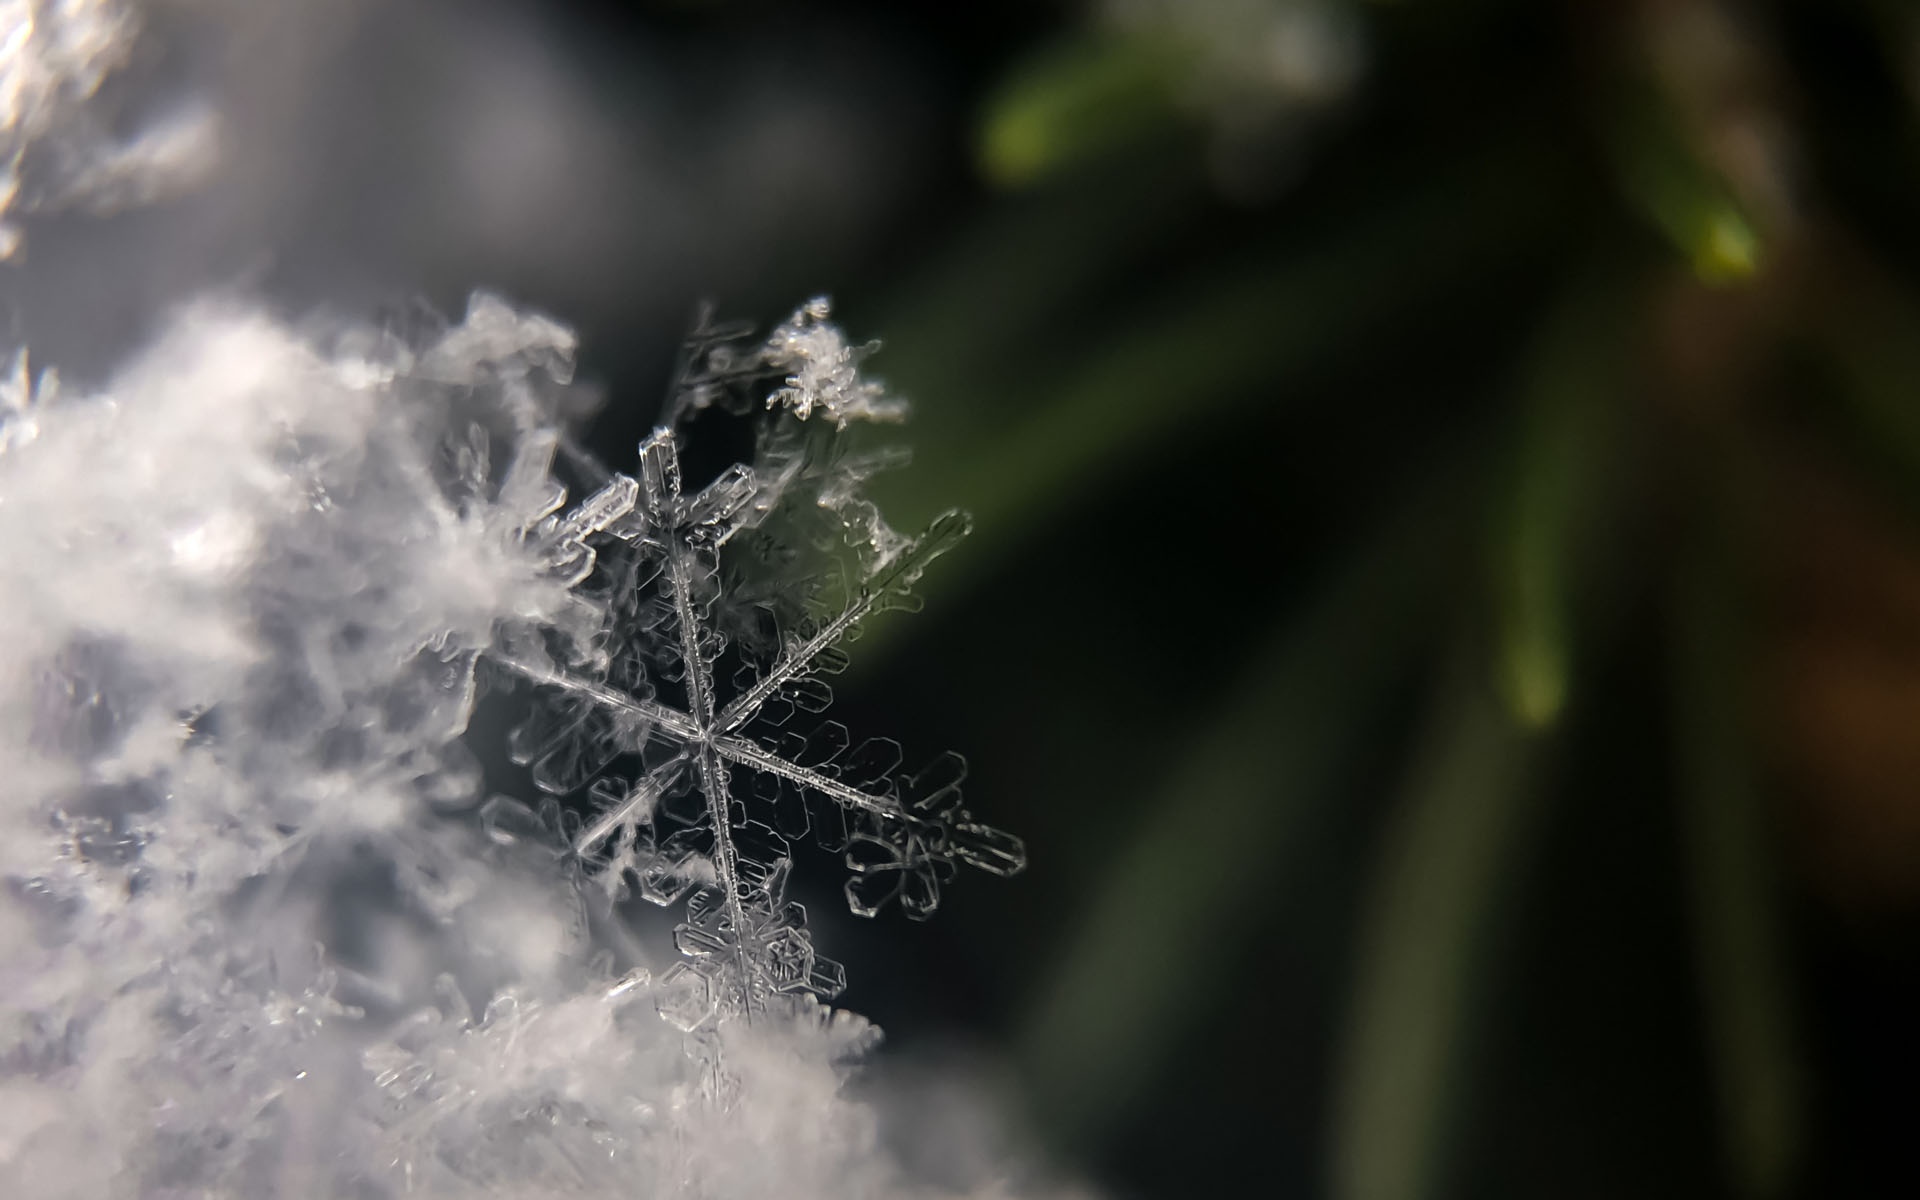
{"points": [[57, 150]]}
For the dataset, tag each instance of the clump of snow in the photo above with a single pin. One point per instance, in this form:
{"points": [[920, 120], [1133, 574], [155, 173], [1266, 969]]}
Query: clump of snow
{"points": [[243, 614], [259, 935], [824, 371]]}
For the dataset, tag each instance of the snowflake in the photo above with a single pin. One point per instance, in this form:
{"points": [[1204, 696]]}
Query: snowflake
{"points": [[824, 371], [705, 659]]}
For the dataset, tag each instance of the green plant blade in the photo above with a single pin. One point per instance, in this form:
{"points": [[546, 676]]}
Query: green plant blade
{"points": [[1227, 821], [1740, 942], [1199, 351], [1569, 406], [1448, 854], [1085, 98]]}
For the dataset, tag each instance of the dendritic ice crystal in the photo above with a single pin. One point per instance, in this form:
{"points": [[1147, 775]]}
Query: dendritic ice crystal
{"points": [[686, 720]]}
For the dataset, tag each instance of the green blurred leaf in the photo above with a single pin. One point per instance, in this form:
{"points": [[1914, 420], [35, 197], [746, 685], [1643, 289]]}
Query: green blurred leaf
{"points": [[1570, 396], [1222, 341], [991, 303], [1743, 975], [1079, 101], [1663, 175], [1228, 821], [1451, 848]]}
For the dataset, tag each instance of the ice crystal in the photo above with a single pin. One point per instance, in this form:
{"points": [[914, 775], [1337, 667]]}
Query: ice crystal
{"points": [[824, 371], [705, 661]]}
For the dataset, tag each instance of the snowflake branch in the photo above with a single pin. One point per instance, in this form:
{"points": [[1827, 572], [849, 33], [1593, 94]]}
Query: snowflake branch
{"points": [[747, 754], [896, 577], [671, 720], [646, 793], [660, 471], [978, 845]]}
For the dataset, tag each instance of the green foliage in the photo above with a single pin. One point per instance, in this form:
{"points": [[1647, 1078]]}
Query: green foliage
{"points": [[1619, 256], [1081, 100]]}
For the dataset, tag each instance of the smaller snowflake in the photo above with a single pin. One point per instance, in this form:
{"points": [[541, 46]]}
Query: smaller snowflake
{"points": [[824, 371]]}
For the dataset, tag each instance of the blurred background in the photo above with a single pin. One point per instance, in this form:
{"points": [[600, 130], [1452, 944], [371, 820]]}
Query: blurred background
{"points": [[1444, 609]]}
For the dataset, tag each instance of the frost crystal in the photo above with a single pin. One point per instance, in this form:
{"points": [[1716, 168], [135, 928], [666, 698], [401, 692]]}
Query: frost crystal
{"points": [[727, 608], [824, 371]]}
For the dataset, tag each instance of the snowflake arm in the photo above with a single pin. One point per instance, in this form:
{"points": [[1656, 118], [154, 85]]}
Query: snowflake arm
{"points": [[889, 584], [587, 690], [660, 476], [978, 845], [629, 811]]}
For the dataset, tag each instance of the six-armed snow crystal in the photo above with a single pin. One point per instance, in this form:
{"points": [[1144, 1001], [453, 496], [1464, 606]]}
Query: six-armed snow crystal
{"points": [[726, 607]]}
